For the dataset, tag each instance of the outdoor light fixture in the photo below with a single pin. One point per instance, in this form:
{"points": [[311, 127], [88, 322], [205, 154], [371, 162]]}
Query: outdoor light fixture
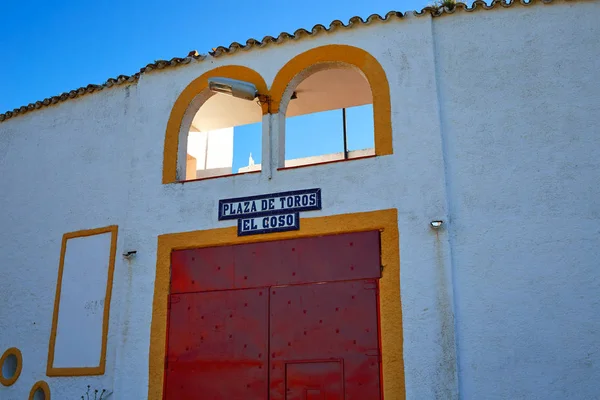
{"points": [[436, 224], [129, 254], [233, 87]]}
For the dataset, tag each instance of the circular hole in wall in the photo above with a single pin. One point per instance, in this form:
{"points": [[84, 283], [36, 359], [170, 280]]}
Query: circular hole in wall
{"points": [[10, 366], [40, 391]]}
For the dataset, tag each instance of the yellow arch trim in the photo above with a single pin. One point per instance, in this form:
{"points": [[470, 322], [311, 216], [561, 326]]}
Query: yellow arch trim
{"points": [[83, 371], [40, 385], [185, 99], [358, 58], [13, 351], [386, 221]]}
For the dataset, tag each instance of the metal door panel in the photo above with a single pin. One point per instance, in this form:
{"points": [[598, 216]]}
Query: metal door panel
{"points": [[314, 380], [198, 270], [306, 260], [329, 321], [217, 346], [295, 261]]}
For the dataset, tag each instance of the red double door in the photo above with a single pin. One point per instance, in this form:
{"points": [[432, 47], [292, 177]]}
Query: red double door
{"points": [[294, 319]]}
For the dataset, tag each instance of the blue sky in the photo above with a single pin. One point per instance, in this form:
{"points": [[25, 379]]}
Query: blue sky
{"points": [[49, 47], [303, 133]]}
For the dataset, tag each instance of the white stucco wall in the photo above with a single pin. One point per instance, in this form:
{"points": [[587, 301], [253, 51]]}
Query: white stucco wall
{"points": [[85, 148], [489, 135], [521, 130]]}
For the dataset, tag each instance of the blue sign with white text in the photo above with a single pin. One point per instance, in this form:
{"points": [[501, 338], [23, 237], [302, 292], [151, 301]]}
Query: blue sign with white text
{"points": [[269, 224], [276, 212], [268, 204]]}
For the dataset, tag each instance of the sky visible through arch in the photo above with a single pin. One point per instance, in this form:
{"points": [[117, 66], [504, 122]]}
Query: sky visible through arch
{"points": [[309, 135], [50, 47]]}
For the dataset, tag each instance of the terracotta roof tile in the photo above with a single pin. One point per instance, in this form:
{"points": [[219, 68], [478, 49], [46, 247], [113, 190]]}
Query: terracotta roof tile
{"points": [[264, 42], [302, 33]]}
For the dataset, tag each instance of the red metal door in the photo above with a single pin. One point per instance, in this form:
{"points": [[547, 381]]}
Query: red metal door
{"points": [[283, 320], [321, 331], [218, 346]]}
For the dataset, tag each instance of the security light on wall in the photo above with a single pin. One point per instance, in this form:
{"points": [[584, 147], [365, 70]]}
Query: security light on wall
{"points": [[233, 87]]}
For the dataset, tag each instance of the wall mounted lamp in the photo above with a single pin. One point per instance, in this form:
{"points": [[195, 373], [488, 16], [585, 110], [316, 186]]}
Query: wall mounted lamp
{"points": [[238, 89], [130, 254], [233, 87]]}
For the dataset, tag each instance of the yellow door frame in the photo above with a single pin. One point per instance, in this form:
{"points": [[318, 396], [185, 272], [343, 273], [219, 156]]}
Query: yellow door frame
{"points": [[386, 221]]}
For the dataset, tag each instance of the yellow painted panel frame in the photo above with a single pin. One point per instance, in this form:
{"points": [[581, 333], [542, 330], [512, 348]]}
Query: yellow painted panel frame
{"points": [[360, 59], [386, 221], [40, 385], [185, 99], [83, 371]]}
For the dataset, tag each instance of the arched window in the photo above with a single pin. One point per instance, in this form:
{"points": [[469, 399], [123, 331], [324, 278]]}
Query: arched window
{"points": [[212, 134], [336, 98], [329, 116], [335, 102], [224, 137]]}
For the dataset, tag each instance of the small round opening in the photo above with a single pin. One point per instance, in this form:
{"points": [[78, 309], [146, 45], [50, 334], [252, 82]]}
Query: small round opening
{"points": [[9, 367], [39, 395], [40, 391]]}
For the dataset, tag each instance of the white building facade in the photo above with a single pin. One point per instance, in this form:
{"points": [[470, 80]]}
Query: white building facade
{"points": [[487, 120]]}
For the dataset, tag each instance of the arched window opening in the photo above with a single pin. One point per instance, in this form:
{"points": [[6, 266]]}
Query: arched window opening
{"points": [[224, 137], [329, 116]]}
